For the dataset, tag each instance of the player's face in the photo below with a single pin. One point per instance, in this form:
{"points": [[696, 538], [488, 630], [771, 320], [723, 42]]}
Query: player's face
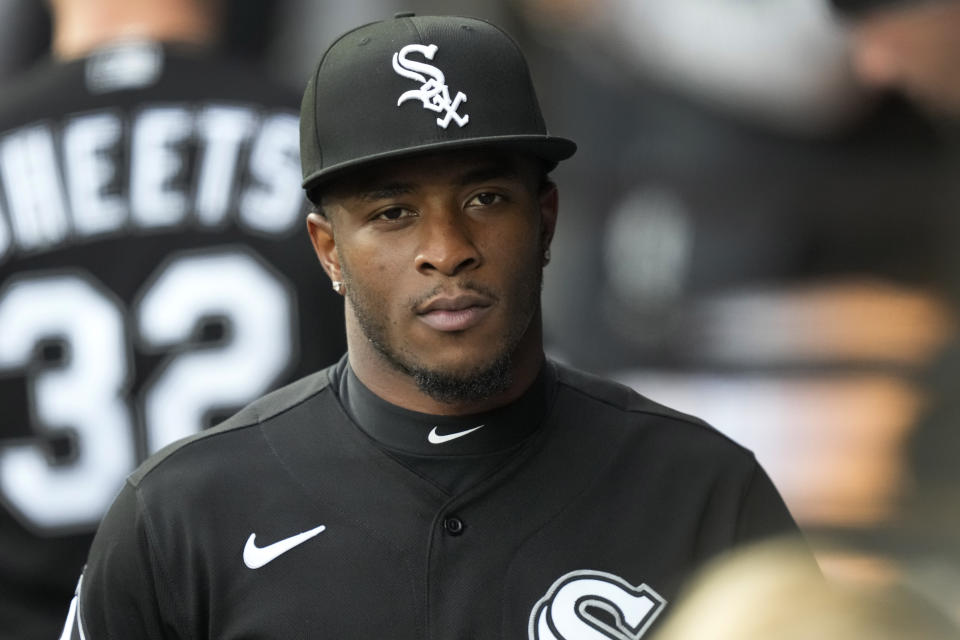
{"points": [[442, 257]]}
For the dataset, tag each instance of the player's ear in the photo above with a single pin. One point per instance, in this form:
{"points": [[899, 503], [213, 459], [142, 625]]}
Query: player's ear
{"points": [[549, 209], [324, 244]]}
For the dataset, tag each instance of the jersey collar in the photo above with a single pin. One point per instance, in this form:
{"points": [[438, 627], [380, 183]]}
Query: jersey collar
{"points": [[411, 432]]}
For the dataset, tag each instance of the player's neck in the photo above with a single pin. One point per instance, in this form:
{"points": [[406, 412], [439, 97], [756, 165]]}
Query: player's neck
{"points": [[82, 27], [398, 388]]}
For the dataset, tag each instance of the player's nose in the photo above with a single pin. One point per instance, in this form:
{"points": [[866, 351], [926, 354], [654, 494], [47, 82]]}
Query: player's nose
{"points": [[446, 244]]}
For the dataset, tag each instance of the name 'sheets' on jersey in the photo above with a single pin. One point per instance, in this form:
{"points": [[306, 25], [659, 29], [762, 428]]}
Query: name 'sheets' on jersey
{"points": [[159, 169]]}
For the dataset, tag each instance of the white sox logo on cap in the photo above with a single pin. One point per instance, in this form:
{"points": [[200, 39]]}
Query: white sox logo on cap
{"points": [[433, 92], [479, 59]]}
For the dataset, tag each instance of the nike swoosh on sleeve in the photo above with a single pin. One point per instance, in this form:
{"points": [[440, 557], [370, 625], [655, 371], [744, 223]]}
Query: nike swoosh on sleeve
{"points": [[255, 557]]}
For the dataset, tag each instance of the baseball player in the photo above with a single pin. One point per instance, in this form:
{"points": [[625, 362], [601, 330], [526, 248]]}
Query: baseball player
{"points": [[444, 479], [152, 266]]}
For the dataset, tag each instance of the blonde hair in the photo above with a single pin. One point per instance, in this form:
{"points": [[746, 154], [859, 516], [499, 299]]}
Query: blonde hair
{"points": [[775, 590]]}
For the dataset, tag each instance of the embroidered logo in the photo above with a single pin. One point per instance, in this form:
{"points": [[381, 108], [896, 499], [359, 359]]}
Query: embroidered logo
{"points": [[255, 557], [436, 438], [594, 604], [434, 94]]}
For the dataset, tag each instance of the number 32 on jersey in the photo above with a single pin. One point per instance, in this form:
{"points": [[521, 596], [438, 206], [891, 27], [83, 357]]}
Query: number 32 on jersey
{"points": [[89, 394]]}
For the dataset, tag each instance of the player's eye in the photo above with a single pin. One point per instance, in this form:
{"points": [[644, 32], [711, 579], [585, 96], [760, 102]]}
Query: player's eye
{"points": [[485, 199], [393, 214]]}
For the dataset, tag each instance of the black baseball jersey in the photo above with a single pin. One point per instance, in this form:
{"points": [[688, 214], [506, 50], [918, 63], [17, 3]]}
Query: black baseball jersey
{"points": [[155, 277], [291, 520]]}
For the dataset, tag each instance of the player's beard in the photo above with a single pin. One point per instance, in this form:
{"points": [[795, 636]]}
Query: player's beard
{"points": [[480, 382]]}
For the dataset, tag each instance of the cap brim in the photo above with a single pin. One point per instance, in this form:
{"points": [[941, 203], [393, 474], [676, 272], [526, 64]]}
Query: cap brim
{"points": [[548, 148]]}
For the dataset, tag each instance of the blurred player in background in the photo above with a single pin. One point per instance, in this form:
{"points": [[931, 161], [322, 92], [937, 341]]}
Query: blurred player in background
{"points": [[151, 257], [914, 48], [774, 227]]}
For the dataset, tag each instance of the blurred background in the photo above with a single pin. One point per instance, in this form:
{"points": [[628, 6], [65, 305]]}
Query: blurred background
{"points": [[759, 228]]}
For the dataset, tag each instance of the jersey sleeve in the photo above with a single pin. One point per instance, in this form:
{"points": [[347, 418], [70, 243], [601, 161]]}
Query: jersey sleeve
{"points": [[120, 593], [763, 513]]}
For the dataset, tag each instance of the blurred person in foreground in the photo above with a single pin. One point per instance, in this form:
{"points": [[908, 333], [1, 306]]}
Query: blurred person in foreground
{"points": [[151, 271], [771, 590], [444, 479]]}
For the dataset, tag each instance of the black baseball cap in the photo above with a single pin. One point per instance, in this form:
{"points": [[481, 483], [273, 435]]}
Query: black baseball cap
{"points": [[417, 84]]}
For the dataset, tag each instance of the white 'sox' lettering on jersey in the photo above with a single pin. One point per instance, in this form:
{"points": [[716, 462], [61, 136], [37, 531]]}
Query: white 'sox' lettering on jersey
{"points": [[433, 94], [162, 168], [594, 605]]}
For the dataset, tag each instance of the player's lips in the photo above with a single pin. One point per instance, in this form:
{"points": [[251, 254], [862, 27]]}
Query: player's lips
{"points": [[454, 313]]}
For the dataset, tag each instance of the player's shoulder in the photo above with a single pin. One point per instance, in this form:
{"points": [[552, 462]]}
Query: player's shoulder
{"points": [[614, 405], [215, 440], [28, 96], [596, 389], [192, 72], [128, 74]]}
